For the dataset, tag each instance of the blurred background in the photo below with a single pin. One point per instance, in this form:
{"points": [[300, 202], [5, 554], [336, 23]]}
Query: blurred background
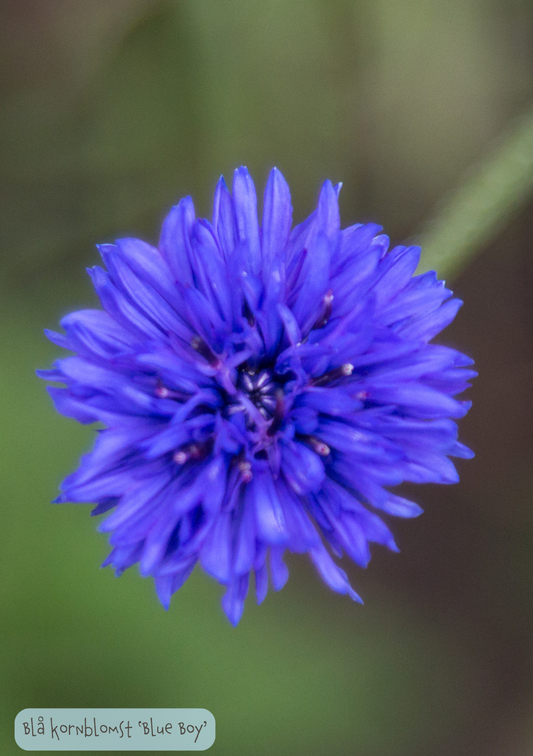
{"points": [[111, 110]]}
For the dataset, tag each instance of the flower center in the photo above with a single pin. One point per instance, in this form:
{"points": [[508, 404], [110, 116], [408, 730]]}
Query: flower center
{"points": [[260, 388]]}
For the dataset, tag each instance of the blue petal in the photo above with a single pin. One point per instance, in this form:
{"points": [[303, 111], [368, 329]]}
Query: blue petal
{"points": [[149, 265], [305, 419], [416, 300], [217, 287], [215, 554], [428, 327], [261, 583], [121, 309], [296, 248], [224, 218], [417, 399], [440, 468], [302, 532], [262, 498], [122, 558], [372, 526], [460, 450], [134, 500], [94, 334], [233, 599], [245, 541], [245, 204], [104, 486], [277, 218], [290, 324], [168, 584], [398, 274], [398, 506], [328, 218], [216, 474], [360, 261], [145, 298], [314, 284], [302, 468], [332, 575], [352, 538], [67, 405], [155, 544], [347, 438], [330, 401], [174, 241], [58, 338], [278, 568]]}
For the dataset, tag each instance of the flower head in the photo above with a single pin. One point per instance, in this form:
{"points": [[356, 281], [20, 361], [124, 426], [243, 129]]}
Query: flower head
{"points": [[260, 390]]}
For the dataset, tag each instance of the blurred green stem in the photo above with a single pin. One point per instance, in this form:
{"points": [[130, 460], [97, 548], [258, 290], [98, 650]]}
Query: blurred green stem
{"points": [[469, 217]]}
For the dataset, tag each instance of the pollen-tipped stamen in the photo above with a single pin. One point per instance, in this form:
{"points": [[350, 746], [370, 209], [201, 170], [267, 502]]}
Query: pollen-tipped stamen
{"points": [[317, 446], [245, 469], [326, 310], [162, 392], [192, 451], [332, 375], [200, 346]]}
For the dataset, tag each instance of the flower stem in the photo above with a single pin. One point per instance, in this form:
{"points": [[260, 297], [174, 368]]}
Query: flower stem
{"points": [[472, 214]]}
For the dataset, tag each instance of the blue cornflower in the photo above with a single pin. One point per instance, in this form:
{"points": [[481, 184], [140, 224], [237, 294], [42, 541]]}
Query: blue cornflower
{"points": [[260, 389]]}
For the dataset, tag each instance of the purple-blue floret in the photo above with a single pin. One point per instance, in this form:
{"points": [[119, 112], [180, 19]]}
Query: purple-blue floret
{"points": [[258, 389]]}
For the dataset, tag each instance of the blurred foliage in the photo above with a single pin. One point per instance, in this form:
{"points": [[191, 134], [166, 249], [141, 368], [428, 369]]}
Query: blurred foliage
{"points": [[483, 204], [392, 100], [110, 112]]}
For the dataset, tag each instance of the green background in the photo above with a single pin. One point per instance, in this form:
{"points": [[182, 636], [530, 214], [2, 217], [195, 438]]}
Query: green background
{"points": [[110, 112]]}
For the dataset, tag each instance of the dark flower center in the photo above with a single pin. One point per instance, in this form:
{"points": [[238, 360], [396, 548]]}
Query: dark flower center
{"points": [[260, 388]]}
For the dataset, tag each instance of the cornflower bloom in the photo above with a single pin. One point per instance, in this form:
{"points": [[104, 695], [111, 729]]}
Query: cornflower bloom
{"points": [[260, 389]]}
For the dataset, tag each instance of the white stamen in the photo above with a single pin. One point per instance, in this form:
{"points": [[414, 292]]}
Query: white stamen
{"points": [[263, 377], [235, 408], [248, 383], [245, 468], [319, 446]]}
